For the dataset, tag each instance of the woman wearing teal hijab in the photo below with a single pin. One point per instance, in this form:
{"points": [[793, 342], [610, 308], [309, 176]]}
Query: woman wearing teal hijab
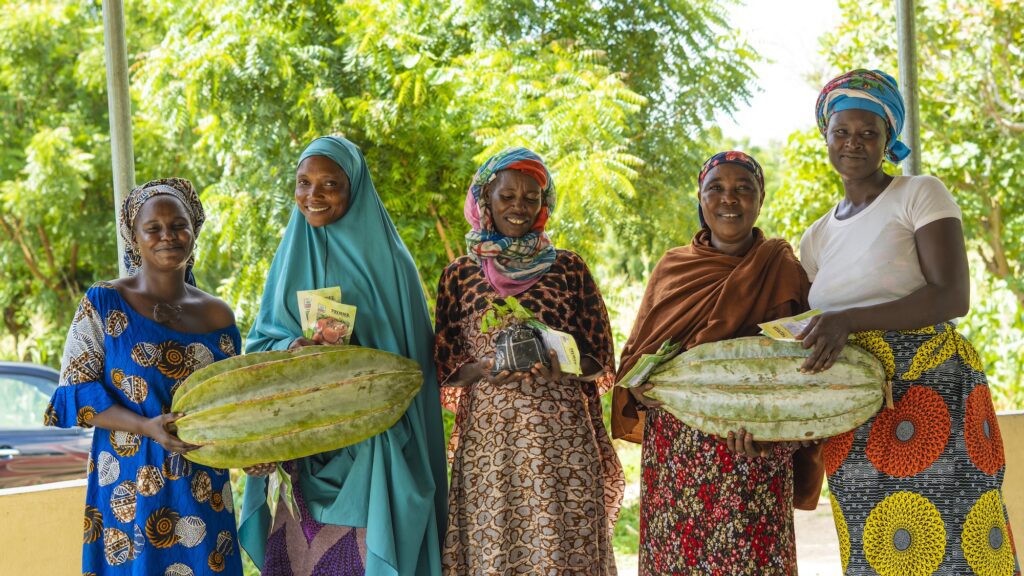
{"points": [[378, 507]]}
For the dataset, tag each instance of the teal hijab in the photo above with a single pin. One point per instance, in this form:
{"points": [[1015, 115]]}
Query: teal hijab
{"points": [[393, 484]]}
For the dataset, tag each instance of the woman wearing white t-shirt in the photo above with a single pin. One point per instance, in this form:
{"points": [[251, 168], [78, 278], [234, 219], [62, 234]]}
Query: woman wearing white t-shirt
{"points": [[917, 488]]}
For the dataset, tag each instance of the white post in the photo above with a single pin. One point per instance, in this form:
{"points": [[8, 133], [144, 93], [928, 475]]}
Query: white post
{"points": [[119, 104], [908, 84]]}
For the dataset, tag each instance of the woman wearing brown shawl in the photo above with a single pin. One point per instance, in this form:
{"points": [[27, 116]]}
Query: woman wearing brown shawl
{"points": [[704, 509]]}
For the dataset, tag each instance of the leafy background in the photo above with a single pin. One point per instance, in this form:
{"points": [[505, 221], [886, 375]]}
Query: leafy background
{"points": [[619, 96]]}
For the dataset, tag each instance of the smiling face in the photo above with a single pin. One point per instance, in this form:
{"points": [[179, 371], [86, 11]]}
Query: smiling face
{"points": [[321, 190], [164, 234], [856, 143], [730, 199], [515, 200]]}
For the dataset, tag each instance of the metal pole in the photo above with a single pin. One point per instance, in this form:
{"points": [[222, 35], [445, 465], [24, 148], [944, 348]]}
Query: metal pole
{"points": [[908, 84], [119, 104]]}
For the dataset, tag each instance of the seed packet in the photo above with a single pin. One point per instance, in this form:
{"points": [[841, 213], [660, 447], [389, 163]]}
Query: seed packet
{"points": [[305, 301], [564, 346], [330, 322], [788, 328], [643, 368]]}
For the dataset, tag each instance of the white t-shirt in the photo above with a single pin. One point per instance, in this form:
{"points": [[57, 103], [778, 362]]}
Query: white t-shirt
{"points": [[871, 258]]}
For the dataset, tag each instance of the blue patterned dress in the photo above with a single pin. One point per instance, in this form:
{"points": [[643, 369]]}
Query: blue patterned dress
{"points": [[148, 512]]}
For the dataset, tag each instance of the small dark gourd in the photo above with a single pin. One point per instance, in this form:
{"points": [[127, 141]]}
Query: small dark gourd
{"points": [[518, 345]]}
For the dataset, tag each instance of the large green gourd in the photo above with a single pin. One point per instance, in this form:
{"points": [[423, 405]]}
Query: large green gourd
{"points": [[280, 405], [755, 383]]}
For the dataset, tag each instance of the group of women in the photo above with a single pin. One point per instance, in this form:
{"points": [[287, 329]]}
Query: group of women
{"points": [[535, 482]]}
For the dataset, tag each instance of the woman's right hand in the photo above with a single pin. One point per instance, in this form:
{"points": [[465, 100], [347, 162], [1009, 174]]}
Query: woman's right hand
{"points": [[260, 470], [301, 342], [161, 429], [639, 395], [481, 370]]}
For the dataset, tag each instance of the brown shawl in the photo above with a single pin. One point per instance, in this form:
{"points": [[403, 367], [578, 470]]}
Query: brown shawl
{"points": [[697, 294]]}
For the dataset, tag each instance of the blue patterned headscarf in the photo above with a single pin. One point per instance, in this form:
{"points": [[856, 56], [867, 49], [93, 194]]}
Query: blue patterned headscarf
{"points": [[179, 188], [871, 90]]}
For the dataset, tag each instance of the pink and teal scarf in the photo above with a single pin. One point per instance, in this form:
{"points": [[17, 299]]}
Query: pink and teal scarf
{"points": [[510, 264]]}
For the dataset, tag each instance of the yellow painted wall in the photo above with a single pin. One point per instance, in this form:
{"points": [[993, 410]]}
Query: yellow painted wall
{"points": [[41, 530], [1011, 427]]}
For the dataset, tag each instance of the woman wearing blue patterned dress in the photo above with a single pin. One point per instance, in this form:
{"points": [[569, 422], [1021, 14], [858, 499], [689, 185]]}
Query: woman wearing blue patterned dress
{"points": [[917, 489], [149, 511]]}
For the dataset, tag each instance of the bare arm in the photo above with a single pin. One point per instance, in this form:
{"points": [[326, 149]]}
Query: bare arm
{"points": [[157, 428], [945, 295]]}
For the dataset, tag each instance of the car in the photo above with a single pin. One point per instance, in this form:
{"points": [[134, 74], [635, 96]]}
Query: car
{"points": [[31, 453]]}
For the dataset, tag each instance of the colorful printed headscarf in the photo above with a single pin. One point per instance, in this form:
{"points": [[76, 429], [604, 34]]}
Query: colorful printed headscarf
{"points": [[181, 189], [871, 90], [728, 157], [511, 265]]}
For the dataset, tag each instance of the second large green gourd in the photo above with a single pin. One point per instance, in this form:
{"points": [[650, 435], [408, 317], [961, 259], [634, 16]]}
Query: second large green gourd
{"points": [[755, 383]]}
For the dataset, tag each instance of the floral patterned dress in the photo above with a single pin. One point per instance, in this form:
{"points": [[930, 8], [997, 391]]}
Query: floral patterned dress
{"points": [[148, 512], [536, 484], [705, 511]]}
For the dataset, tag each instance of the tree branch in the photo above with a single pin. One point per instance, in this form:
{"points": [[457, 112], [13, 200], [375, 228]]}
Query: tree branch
{"points": [[14, 232], [439, 224], [47, 247]]}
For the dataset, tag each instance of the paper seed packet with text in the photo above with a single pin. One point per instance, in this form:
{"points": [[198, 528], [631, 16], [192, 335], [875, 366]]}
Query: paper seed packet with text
{"points": [[787, 329], [326, 320], [305, 298], [564, 346], [643, 368]]}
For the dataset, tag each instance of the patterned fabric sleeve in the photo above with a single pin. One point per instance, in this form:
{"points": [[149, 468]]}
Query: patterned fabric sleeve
{"points": [[592, 320], [450, 352], [81, 393]]}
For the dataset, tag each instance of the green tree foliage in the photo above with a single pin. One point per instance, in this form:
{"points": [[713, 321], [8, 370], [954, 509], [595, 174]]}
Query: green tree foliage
{"points": [[972, 119], [617, 96]]}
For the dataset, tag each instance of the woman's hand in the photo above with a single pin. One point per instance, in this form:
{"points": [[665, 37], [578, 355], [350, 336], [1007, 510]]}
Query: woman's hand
{"points": [[742, 442], [481, 370], [827, 333], [161, 429], [553, 374], [799, 444], [260, 470], [301, 342], [639, 395]]}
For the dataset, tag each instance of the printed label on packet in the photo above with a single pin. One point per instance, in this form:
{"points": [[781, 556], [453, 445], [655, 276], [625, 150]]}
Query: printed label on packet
{"points": [[564, 346], [330, 322], [305, 302], [787, 329]]}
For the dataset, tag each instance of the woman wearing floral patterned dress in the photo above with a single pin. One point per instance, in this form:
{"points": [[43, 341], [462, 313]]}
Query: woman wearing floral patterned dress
{"points": [[704, 508], [917, 488], [535, 482], [149, 511]]}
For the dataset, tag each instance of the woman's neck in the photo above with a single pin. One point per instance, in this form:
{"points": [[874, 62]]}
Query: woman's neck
{"points": [[863, 191], [738, 248], [163, 286]]}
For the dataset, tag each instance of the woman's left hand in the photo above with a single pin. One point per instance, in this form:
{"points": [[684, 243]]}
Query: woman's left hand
{"points": [[827, 333]]}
